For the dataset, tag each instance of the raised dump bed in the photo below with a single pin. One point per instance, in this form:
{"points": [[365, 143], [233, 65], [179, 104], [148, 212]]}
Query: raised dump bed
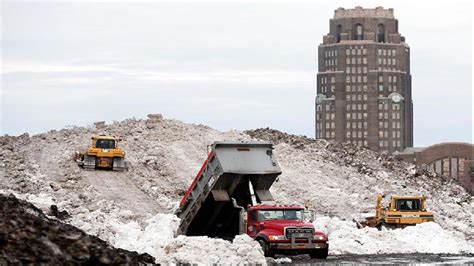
{"points": [[208, 207]]}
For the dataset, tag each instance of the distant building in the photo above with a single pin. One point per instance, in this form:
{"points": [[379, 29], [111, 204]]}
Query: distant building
{"points": [[453, 159], [364, 82]]}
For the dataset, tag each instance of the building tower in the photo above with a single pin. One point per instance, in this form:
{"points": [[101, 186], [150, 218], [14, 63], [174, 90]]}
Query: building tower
{"points": [[364, 82]]}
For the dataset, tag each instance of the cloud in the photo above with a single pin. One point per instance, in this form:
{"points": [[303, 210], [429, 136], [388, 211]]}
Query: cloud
{"points": [[230, 65]]}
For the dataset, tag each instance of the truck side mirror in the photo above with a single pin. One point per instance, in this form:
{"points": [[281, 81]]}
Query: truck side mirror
{"points": [[311, 214]]}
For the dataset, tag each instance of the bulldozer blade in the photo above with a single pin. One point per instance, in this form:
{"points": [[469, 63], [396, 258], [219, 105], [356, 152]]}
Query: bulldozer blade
{"points": [[358, 224]]}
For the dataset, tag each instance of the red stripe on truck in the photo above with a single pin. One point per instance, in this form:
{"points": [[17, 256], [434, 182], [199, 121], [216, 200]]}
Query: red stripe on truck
{"points": [[186, 195]]}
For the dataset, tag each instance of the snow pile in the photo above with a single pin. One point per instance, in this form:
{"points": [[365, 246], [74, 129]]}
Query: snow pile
{"points": [[156, 236], [204, 250], [133, 209], [345, 238]]}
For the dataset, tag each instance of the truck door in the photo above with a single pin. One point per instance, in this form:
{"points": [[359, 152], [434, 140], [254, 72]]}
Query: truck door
{"points": [[252, 223]]}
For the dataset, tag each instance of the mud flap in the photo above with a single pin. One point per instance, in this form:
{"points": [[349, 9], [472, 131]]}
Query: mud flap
{"points": [[119, 164]]}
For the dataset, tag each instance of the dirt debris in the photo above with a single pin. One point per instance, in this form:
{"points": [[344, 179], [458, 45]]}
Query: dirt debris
{"points": [[28, 236]]}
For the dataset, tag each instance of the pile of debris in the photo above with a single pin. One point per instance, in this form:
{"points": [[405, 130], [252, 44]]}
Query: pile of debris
{"points": [[345, 154], [28, 236], [337, 180]]}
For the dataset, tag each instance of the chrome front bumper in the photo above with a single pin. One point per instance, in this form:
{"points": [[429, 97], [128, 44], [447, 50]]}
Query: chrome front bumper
{"points": [[317, 245]]}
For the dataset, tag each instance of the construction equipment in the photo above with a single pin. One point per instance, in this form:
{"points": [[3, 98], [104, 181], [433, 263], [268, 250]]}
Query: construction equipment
{"points": [[104, 153], [225, 199], [402, 211]]}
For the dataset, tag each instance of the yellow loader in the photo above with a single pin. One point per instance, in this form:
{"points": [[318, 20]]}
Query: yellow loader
{"points": [[103, 153], [402, 211]]}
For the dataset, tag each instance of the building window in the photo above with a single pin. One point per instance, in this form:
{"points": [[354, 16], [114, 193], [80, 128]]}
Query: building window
{"points": [[358, 33], [348, 61], [338, 33], [381, 33]]}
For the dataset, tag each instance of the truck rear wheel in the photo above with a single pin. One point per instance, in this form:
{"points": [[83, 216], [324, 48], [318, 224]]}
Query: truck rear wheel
{"points": [[319, 253], [267, 252]]}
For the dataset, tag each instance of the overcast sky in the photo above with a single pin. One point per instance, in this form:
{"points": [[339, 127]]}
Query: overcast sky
{"points": [[238, 65]]}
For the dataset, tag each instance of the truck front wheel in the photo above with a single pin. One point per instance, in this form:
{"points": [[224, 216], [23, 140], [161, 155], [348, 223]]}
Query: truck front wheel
{"points": [[267, 252], [319, 253]]}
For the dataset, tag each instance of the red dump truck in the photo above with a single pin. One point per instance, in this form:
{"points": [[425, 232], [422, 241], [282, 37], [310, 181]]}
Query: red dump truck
{"points": [[230, 196]]}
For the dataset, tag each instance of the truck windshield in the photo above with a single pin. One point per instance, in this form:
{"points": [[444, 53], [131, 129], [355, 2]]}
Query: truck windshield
{"points": [[408, 204], [280, 215], [105, 144]]}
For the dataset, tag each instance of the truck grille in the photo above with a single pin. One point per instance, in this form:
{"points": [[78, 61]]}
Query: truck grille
{"points": [[299, 232]]}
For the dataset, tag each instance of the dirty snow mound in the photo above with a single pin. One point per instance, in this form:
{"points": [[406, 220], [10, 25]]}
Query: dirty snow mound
{"points": [[133, 209], [204, 250], [340, 179], [345, 238], [156, 236], [28, 236]]}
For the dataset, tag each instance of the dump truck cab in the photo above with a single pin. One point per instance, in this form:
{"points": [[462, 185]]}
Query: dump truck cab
{"points": [[104, 152], [282, 229]]}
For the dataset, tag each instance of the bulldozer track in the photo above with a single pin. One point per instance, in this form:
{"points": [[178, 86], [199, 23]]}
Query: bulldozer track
{"points": [[118, 187]]}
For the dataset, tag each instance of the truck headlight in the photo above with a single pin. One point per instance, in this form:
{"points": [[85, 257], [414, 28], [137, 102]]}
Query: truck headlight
{"points": [[276, 237], [318, 237]]}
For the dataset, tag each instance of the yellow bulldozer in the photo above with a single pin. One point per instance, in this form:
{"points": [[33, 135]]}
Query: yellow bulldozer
{"points": [[401, 211], [103, 153]]}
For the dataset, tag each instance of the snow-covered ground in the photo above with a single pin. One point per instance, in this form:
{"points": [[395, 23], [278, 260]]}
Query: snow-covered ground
{"points": [[134, 210]]}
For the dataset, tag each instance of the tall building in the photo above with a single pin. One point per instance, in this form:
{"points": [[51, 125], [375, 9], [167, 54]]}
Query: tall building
{"points": [[364, 82]]}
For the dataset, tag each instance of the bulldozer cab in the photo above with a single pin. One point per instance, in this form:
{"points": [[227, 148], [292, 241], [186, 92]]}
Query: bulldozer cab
{"points": [[105, 144], [407, 204]]}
